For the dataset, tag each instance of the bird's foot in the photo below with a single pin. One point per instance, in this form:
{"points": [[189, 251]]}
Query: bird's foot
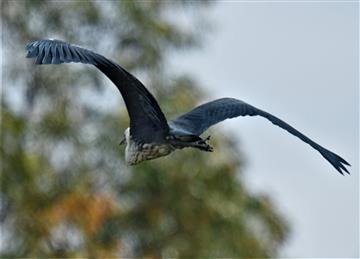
{"points": [[203, 145], [209, 148]]}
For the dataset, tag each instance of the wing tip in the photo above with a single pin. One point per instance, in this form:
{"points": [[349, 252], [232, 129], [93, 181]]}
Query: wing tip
{"points": [[340, 164], [54, 51], [335, 160], [341, 169]]}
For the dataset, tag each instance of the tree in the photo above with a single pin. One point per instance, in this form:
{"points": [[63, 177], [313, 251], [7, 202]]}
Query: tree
{"points": [[65, 190]]}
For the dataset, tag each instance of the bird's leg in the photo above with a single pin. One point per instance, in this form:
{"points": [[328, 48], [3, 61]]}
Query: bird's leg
{"points": [[202, 141], [203, 145], [199, 144]]}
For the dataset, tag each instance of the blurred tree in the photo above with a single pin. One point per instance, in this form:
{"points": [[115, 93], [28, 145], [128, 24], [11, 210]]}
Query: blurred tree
{"points": [[65, 191]]}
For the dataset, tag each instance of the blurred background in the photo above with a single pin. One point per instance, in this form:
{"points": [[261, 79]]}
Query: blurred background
{"points": [[65, 190]]}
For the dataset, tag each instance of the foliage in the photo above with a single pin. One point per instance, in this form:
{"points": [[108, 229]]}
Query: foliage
{"points": [[65, 191]]}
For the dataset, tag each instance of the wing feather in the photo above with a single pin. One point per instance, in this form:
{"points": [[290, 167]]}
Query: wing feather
{"points": [[202, 117], [147, 121]]}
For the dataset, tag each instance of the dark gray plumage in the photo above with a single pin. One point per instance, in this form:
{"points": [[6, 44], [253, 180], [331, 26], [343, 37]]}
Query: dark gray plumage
{"points": [[204, 116], [150, 135], [147, 122]]}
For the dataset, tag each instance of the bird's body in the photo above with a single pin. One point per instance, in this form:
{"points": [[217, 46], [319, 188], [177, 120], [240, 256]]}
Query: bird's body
{"points": [[138, 152], [150, 135]]}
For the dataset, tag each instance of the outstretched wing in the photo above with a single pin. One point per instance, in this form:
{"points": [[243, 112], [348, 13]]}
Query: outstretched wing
{"points": [[202, 117], [147, 122]]}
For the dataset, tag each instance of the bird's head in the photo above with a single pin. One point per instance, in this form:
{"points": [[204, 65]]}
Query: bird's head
{"points": [[126, 137]]}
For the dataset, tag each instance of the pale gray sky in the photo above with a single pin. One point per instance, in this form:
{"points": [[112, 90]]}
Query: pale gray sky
{"points": [[299, 61]]}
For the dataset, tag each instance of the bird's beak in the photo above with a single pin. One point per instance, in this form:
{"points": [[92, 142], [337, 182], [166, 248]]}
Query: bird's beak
{"points": [[122, 142]]}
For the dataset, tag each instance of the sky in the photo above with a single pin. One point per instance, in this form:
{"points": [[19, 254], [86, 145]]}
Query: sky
{"points": [[300, 62]]}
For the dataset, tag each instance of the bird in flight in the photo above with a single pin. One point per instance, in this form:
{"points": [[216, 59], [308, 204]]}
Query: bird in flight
{"points": [[150, 135]]}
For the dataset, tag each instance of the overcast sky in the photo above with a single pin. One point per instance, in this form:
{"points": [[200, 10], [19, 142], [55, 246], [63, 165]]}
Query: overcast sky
{"points": [[298, 61]]}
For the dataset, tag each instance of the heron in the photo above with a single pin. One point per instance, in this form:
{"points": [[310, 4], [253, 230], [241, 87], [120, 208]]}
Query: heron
{"points": [[150, 134]]}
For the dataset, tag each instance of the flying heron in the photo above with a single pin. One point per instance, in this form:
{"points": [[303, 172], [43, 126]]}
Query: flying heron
{"points": [[150, 135]]}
